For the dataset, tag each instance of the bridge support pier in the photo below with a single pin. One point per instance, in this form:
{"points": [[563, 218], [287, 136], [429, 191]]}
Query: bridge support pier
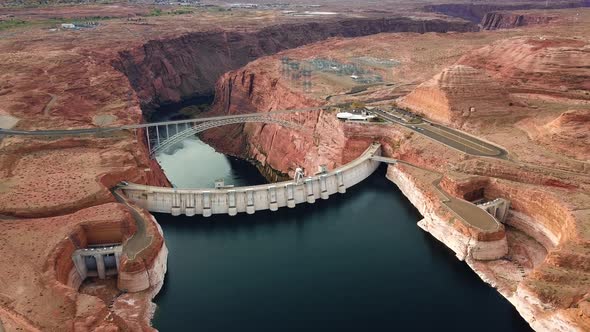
{"points": [[158, 134], [147, 136]]}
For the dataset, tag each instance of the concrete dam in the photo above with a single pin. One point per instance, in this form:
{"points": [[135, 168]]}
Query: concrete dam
{"points": [[250, 199]]}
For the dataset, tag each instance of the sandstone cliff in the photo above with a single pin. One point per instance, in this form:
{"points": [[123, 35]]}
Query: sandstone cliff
{"points": [[521, 80], [507, 20], [567, 133], [542, 64], [277, 151], [542, 274], [168, 70], [458, 94], [39, 281], [476, 12]]}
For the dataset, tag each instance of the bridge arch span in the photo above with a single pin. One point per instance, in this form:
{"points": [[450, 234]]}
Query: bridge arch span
{"points": [[179, 136]]}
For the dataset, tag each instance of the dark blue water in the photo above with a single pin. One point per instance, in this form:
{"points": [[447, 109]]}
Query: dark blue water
{"points": [[357, 262]]}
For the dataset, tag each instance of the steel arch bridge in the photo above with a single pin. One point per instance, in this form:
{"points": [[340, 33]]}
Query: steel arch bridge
{"points": [[159, 142]]}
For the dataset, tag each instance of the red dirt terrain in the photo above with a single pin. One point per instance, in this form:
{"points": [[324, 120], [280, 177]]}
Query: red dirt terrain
{"points": [[525, 90], [99, 76], [112, 74]]}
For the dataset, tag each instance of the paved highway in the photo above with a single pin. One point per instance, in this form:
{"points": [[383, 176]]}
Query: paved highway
{"points": [[139, 240], [90, 131], [450, 137]]}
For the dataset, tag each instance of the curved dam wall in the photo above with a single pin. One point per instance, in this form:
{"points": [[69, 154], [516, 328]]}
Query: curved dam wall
{"points": [[254, 198]]}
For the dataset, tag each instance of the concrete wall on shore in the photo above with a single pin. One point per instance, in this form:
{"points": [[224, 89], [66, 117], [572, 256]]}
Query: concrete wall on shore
{"points": [[146, 277], [465, 246], [254, 198]]}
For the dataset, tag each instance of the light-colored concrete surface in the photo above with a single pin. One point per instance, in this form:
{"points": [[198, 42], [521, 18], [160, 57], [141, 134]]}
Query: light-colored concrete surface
{"points": [[450, 137], [98, 253], [497, 208], [253, 198], [471, 213], [140, 240]]}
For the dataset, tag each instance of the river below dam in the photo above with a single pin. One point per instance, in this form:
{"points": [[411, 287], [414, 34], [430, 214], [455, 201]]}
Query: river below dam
{"points": [[356, 262]]}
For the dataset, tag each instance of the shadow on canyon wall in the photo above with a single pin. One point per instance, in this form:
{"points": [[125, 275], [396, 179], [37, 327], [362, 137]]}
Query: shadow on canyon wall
{"points": [[171, 70]]}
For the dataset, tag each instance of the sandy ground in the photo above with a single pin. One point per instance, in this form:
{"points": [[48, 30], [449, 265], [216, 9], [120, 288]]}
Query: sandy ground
{"points": [[527, 99], [420, 57], [8, 121], [64, 79]]}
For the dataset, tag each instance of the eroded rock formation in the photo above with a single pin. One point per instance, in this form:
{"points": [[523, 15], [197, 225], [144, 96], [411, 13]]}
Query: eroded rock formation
{"points": [[450, 97], [535, 260], [508, 20], [40, 280], [545, 64], [476, 12], [168, 70], [67, 81]]}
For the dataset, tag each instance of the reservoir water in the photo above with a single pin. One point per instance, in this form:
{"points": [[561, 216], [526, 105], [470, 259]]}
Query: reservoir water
{"points": [[356, 262]]}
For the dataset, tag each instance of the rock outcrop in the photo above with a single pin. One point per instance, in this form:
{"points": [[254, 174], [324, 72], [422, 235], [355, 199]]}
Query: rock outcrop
{"points": [[535, 260], [39, 281], [542, 64], [458, 94], [508, 20], [568, 133], [476, 12], [275, 150], [169, 70], [466, 241]]}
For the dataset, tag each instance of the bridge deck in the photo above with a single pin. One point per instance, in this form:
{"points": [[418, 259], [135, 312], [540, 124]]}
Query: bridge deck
{"points": [[87, 131]]}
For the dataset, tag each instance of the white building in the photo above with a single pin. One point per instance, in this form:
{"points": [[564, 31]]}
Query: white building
{"points": [[362, 116]]}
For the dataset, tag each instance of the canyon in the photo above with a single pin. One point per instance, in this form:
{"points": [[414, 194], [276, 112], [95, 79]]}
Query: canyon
{"points": [[79, 79], [160, 74], [542, 274]]}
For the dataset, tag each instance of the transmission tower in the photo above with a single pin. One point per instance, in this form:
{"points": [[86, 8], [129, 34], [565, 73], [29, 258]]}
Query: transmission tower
{"points": [[285, 69], [294, 67], [306, 74]]}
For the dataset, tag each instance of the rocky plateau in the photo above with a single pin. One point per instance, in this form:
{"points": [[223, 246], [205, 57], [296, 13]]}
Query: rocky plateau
{"points": [[484, 92], [530, 97]]}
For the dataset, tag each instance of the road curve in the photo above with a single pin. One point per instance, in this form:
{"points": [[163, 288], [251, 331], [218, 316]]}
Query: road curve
{"points": [[449, 137]]}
